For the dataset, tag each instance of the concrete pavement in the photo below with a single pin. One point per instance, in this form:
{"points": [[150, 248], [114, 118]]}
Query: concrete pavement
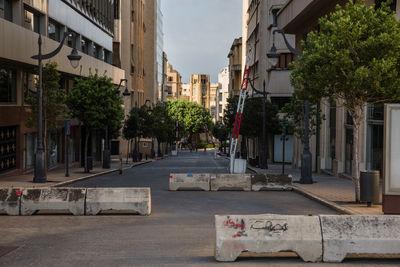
{"points": [[337, 193], [179, 232]]}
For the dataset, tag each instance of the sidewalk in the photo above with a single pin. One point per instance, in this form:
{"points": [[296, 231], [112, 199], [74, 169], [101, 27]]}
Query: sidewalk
{"points": [[56, 177], [337, 193]]}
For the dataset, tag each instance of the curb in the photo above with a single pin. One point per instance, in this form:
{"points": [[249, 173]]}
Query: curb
{"points": [[96, 174], [318, 199], [322, 201]]}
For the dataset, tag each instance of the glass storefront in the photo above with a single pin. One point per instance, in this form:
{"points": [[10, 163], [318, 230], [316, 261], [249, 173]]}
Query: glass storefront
{"points": [[375, 137], [8, 82], [29, 150]]}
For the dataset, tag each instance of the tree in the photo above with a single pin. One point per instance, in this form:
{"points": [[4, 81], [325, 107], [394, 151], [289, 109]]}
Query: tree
{"points": [[294, 117], [221, 132], [193, 118], [95, 103], [130, 129], [163, 125], [54, 105], [354, 57]]}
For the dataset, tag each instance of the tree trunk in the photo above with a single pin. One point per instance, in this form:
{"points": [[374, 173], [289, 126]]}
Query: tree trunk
{"points": [[358, 117], [158, 148], [86, 150]]}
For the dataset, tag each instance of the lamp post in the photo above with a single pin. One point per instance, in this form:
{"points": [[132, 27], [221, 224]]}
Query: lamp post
{"points": [[149, 111], [306, 157], [263, 159], [74, 57], [106, 150]]}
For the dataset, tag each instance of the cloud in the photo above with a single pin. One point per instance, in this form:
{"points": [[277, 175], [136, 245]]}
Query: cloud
{"points": [[198, 34]]}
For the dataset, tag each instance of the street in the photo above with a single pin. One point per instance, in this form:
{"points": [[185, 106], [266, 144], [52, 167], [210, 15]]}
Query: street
{"points": [[180, 230]]}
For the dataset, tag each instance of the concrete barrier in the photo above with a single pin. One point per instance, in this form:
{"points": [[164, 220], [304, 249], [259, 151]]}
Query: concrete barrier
{"points": [[189, 181], [230, 181], [35, 199], [271, 182], [10, 200], [343, 235], [126, 199], [268, 233]]}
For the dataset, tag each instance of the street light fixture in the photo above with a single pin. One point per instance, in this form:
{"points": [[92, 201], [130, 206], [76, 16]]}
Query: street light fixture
{"points": [[263, 157], [306, 157], [106, 151], [74, 57]]}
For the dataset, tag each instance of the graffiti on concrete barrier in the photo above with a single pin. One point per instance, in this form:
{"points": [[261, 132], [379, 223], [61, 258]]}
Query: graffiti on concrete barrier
{"points": [[269, 226], [237, 225]]}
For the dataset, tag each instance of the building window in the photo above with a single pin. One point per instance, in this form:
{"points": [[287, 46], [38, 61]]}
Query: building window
{"points": [[32, 20], [392, 6], [274, 17], [116, 10], [85, 45], [6, 9], [30, 88], [132, 68], [54, 31], [8, 88], [285, 60]]}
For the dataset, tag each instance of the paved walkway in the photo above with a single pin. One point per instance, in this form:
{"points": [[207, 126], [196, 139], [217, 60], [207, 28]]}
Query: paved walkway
{"points": [[57, 177], [340, 191]]}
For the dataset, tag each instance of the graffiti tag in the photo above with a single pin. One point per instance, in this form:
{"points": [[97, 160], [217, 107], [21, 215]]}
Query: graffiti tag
{"points": [[269, 226], [237, 225]]}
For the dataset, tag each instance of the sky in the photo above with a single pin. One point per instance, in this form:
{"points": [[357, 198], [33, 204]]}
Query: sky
{"points": [[198, 34]]}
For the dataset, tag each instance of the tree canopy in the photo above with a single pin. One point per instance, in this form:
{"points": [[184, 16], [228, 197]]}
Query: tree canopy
{"points": [[353, 57]]}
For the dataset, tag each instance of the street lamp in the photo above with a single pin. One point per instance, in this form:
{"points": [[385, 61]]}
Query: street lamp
{"points": [[106, 151], [263, 157], [306, 157], [149, 111], [74, 57]]}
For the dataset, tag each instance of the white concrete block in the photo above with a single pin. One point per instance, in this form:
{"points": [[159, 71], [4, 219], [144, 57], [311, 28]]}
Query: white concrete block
{"points": [[10, 200], [239, 166], [174, 153], [230, 181], [271, 182], [189, 181], [268, 233], [35, 199], [126, 199], [349, 234]]}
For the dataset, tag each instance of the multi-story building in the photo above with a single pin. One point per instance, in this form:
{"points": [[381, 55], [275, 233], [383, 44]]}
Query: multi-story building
{"points": [[223, 93], [161, 57], [21, 22], [332, 147], [151, 47], [186, 91], [259, 25], [235, 67], [214, 92], [200, 89], [174, 83], [163, 78]]}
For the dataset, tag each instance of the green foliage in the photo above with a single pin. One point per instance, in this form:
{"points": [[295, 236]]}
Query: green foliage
{"points": [[355, 56], [54, 98], [130, 129], [163, 125], [220, 131], [94, 102], [252, 119], [294, 117], [193, 118]]}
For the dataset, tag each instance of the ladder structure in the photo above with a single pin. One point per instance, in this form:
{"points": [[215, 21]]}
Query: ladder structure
{"points": [[240, 107]]}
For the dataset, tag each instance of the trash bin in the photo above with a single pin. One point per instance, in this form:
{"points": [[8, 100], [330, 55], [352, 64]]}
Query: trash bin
{"points": [[369, 187], [90, 163]]}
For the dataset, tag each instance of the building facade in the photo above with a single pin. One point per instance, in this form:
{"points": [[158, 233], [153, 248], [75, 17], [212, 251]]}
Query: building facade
{"points": [[200, 89], [214, 92], [173, 84], [332, 147], [235, 67], [223, 93], [21, 22], [186, 92]]}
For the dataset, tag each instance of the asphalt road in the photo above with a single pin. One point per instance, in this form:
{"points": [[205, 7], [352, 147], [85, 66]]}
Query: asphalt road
{"points": [[179, 232]]}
